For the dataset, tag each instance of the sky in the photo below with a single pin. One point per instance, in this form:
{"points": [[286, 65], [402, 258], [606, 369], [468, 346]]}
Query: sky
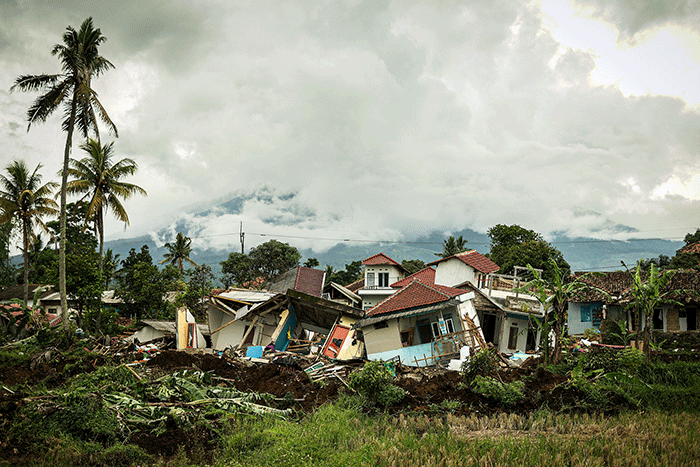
{"points": [[381, 120]]}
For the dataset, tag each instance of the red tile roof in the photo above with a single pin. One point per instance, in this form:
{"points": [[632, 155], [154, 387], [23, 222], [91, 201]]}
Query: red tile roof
{"points": [[692, 248], [357, 285], [414, 295], [474, 259], [380, 258], [309, 281], [425, 275]]}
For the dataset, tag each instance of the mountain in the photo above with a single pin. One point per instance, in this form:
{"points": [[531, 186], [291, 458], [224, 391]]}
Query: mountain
{"points": [[582, 253]]}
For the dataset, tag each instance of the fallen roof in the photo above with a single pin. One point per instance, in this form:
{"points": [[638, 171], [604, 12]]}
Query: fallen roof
{"points": [[310, 310], [168, 327], [343, 290], [246, 296], [474, 259]]}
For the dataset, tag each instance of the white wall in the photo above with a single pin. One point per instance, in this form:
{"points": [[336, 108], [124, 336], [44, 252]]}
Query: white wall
{"points": [[453, 272], [383, 339]]}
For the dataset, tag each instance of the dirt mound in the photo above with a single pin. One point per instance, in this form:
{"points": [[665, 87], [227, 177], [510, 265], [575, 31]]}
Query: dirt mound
{"points": [[269, 378]]}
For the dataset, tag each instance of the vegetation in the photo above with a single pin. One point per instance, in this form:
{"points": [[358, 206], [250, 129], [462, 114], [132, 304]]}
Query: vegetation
{"points": [[179, 252], [23, 197], [99, 178], [142, 286], [554, 295], [374, 384], [412, 266], [72, 89], [350, 274], [451, 246], [648, 293], [265, 261], [513, 245]]}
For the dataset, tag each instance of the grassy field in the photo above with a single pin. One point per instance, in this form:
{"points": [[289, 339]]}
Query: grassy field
{"points": [[338, 435]]}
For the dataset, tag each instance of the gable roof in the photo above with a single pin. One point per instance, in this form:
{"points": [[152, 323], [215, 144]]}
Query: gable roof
{"points": [[17, 291], [343, 290], [415, 294], [425, 275], [474, 259], [380, 259]]}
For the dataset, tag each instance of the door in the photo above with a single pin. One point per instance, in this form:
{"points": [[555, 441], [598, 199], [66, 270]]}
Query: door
{"points": [[335, 340]]}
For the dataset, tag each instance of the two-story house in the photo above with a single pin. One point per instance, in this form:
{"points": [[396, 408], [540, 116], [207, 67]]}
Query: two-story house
{"points": [[380, 273]]}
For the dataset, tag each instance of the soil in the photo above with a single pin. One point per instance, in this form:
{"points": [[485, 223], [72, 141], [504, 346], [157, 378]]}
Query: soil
{"points": [[425, 390]]}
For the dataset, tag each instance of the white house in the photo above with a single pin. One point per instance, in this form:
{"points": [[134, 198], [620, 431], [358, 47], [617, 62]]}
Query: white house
{"points": [[380, 272]]}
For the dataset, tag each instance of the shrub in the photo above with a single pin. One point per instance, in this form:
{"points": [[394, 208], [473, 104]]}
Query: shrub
{"points": [[629, 359], [507, 394], [374, 383], [483, 363]]}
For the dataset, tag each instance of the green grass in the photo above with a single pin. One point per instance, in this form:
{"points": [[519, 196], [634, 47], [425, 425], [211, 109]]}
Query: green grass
{"points": [[337, 435]]}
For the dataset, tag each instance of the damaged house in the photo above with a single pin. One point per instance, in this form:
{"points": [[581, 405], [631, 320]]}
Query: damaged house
{"points": [[421, 324], [590, 307]]}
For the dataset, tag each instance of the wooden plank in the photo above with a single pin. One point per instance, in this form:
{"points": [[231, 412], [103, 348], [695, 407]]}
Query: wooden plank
{"points": [[250, 328]]}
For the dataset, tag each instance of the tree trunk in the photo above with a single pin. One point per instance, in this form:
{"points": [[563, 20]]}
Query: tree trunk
{"points": [[25, 240], [62, 241], [648, 322]]}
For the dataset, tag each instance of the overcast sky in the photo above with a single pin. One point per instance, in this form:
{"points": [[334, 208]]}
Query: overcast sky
{"points": [[381, 119]]}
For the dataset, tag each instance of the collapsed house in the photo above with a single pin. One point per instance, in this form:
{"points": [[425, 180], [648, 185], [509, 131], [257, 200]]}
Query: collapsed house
{"points": [[421, 324], [194, 335], [292, 310]]}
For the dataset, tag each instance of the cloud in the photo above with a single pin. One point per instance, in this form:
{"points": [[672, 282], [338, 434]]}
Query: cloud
{"points": [[378, 119]]}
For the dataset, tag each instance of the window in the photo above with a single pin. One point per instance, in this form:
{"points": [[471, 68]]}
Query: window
{"points": [[449, 324], [436, 328], [383, 279], [658, 319], [370, 279], [424, 332], [513, 338], [586, 313], [381, 325]]}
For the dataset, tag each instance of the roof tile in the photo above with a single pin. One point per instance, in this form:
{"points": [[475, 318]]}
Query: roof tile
{"points": [[414, 295], [474, 259]]}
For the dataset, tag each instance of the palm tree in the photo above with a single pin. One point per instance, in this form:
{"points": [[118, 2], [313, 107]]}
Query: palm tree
{"points": [[24, 197], [80, 62], [452, 246], [99, 178], [109, 268], [179, 252]]}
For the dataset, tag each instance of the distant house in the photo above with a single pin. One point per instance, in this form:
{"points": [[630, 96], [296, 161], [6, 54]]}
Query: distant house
{"points": [[380, 272], [16, 292], [589, 307]]}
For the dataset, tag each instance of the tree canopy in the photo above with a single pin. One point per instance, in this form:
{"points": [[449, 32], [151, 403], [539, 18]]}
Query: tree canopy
{"points": [[513, 245], [413, 265], [451, 246], [265, 261]]}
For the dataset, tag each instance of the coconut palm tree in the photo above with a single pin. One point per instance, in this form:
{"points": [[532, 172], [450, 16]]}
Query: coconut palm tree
{"points": [[99, 178], [72, 89], [109, 268], [451, 246], [24, 198], [179, 252]]}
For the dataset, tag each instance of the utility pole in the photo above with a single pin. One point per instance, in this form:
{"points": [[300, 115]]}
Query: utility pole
{"points": [[242, 239]]}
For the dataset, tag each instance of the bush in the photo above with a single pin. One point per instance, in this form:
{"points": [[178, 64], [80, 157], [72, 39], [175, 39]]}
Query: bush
{"points": [[374, 383], [629, 359], [483, 363], [507, 394]]}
